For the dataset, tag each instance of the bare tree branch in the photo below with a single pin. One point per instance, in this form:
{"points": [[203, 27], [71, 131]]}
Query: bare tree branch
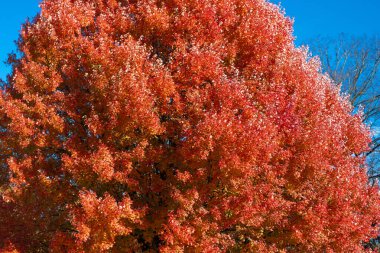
{"points": [[354, 63]]}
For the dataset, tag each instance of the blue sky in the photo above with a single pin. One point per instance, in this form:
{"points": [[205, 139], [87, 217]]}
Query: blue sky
{"points": [[312, 18], [331, 17], [12, 14]]}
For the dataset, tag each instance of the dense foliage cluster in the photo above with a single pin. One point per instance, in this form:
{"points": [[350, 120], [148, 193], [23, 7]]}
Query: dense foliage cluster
{"points": [[177, 126]]}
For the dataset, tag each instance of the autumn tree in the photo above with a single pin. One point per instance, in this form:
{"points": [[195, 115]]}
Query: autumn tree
{"points": [[177, 126]]}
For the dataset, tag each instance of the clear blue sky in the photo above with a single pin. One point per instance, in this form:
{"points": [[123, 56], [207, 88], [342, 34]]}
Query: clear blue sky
{"points": [[12, 14], [312, 18], [331, 17]]}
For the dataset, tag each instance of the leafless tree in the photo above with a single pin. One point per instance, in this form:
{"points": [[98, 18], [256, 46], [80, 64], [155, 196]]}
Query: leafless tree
{"points": [[354, 63]]}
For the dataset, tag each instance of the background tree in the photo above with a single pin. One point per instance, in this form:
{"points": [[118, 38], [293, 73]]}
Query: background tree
{"points": [[354, 63], [177, 126]]}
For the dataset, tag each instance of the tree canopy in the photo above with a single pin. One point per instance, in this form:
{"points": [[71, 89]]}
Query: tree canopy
{"points": [[177, 126]]}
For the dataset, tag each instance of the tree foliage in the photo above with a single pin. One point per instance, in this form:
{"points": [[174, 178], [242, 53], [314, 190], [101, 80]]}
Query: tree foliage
{"points": [[177, 126]]}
